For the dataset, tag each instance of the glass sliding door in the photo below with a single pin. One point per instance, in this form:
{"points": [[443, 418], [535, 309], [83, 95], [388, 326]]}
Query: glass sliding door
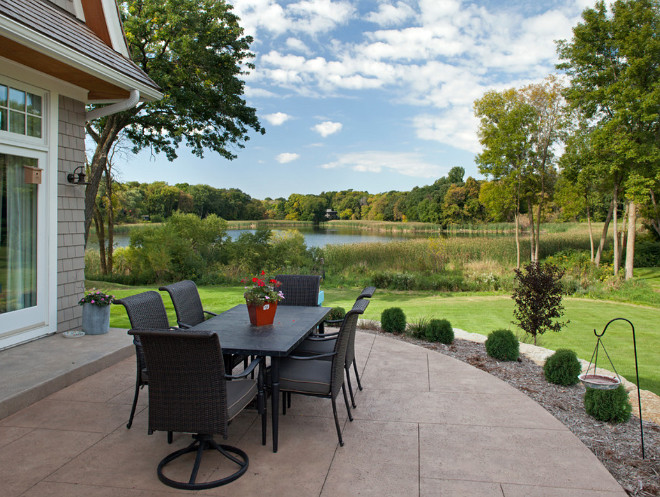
{"points": [[21, 239]]}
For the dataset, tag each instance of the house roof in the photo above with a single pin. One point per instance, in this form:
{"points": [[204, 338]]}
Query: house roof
{"points": [[45, 37]]}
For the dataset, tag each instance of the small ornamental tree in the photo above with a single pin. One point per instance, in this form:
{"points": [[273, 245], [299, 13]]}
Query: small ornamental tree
{"points": [[538, 298]]}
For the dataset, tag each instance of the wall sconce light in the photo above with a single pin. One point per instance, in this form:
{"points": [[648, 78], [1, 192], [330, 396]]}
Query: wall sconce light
{"points": [[77, 177]]}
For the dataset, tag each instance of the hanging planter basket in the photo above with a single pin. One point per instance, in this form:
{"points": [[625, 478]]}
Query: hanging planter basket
{"points": [[599, 381]]}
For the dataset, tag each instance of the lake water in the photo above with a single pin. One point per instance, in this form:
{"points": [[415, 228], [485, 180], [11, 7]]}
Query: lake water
{"points": [[314, 237]]}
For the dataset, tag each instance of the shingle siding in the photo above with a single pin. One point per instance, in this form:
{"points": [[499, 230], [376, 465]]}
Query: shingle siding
{"points": [[65, 4], [70, 215]]}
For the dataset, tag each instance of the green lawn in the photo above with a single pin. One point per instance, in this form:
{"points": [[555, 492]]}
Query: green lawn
{"points": [[650, 275], [482, 313]]}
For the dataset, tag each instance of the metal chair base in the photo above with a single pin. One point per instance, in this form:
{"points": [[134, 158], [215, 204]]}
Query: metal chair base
{"points": [[202, 443]]}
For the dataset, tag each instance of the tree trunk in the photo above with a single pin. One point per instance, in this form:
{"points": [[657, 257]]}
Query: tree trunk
{"points": [[111, 219], [591, 234], [630, 247], [532, 231], [517, 219], [624, 228], [104, 144], [100, 234], [603, 235], [615, 238], [655, 221]]}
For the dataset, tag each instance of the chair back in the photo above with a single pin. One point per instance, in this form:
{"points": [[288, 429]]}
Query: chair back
{"points": [[187, 304], [299, 289], [187, 389], [145, 311], [360, 306], [346, 330]]}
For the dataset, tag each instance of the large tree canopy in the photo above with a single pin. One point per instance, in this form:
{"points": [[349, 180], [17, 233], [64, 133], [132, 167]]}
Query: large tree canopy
{"points": [[613, 62], [196, 52]]}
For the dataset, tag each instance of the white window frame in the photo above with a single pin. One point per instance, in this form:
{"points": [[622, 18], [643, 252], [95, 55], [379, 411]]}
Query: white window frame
{"points": [[26, 326], [16, 322]]}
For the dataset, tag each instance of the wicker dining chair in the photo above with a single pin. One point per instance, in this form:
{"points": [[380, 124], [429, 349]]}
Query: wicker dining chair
{"points": [[189, 393], [322, 343], [322, 375], [299, 289], [190, 312], [367, 293], [145, 311], [187, 304]]}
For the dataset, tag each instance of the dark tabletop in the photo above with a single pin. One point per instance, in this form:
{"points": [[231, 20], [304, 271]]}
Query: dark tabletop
{"points": [[290, 327]]}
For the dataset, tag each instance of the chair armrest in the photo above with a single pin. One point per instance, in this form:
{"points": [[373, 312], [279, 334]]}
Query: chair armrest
{"points": [[308, 357], [210, 313], [321, 337], [333, 321], [246, 371], [183, 325]]}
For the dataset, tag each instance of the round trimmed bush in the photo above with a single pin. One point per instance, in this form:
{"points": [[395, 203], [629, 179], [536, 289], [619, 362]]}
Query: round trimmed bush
{"points": [[336, 313], [562, 368], [439, 330], [503, 345], [393, 320], [608, 405]]}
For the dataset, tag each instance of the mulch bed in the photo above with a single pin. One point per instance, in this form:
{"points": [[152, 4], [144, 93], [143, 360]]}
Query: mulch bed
{"points": [[618, 446]]}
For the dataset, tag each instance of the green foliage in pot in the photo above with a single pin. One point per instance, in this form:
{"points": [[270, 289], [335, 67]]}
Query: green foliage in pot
{"points": [[562, 368], [393, 320], [503, 345], [608, 405]]}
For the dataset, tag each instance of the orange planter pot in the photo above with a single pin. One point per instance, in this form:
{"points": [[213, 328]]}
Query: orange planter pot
{"points": [[263, 314]]}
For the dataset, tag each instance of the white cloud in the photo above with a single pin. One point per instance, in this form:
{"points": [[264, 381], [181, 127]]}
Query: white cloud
{"points": [[297, 45], [456, 127], [407, 164], [327, 128], [277, 119], [391, 15], [440, 54], [308, 16], [285, 157]]}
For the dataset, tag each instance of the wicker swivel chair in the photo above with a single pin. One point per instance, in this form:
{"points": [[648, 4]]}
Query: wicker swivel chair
{"points": [[189, 312], [145, 311], [323, 343], [322, 375], [188, 392], [299, 289]]}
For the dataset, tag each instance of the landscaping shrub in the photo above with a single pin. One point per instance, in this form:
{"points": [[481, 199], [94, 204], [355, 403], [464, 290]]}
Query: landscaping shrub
{"points": [[440, 330], [562, 368], [336, 313], [393, 320], [608, 405], [538, 298], [503, 345], [417, 328]]}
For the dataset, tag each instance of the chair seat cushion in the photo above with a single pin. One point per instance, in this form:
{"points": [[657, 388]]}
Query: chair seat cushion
{"points": [[311, 376], [312, 347], [239, 394]]}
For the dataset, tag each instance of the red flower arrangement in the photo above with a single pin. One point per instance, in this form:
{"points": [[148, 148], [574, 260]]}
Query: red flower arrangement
{"points": [[263, 290]]}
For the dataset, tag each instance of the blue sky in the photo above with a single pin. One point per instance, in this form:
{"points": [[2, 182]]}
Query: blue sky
{"points": [[371, 95]]}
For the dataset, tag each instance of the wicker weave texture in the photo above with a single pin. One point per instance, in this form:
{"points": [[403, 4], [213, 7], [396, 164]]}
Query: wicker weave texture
{"points": [[346, 331], [145, 311], [187, 304], [187, 390], [299, 289]]}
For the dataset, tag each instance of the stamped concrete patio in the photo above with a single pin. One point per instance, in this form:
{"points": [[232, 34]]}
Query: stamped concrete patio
{"points": [[425, 425]]}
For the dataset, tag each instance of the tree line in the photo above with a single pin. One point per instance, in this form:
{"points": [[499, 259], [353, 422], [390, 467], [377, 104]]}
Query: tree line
{"points": [[584, 144]]}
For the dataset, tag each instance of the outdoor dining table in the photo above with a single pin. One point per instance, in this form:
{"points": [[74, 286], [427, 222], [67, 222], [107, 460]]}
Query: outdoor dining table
{"points": [[237, 336]]}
